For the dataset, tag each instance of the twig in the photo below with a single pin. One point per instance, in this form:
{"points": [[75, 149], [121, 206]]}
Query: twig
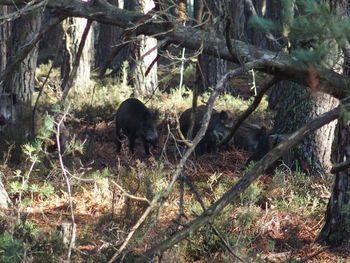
{"points": [[142, 199], [313, 255], [65, 174], [215, 230], [43, 85]]}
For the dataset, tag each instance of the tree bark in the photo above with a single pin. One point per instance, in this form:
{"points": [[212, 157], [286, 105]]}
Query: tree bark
{"points": [[143, 52], [107, 37], [23, 31], [73, 30], [4, 36], [50, 41], [297, 105], [336, 229], [210, 69]]}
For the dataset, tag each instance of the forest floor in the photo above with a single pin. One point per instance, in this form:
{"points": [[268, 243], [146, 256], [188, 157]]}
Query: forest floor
{"points": [[103, 217], [275, 220]]}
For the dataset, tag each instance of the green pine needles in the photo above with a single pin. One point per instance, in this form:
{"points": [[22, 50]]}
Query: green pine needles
{"points": [[311, 30]]}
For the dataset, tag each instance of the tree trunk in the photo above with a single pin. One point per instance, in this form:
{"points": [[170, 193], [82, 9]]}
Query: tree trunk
{"points": [[73, 30], [210, 69], [144, 85], [336, 229], [50, 42], [4, 36], [16, 93], [24, 29], [297, 105], [107, 37]]}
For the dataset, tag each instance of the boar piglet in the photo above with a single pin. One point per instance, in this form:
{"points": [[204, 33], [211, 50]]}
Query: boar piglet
{"points": [[217, 129], [135, 120]]}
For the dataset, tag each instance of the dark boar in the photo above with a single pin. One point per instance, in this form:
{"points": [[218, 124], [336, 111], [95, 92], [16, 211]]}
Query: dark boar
{"points": [[6, 110], [217, 128], [135, 120], [268, 143], [248, 136]]}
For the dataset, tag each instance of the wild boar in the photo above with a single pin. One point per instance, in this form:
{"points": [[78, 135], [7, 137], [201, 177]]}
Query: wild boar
{"points": [[268, 143], [248, 136], [135, 120], [217, 128], [6, 110]]}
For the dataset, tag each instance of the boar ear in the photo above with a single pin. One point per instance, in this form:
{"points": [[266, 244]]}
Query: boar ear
{"points": [[223, 115]]}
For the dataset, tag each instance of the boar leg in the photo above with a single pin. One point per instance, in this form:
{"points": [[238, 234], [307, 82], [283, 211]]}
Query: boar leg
{"points": [[119, 141], [131, 139], [146, 146]]}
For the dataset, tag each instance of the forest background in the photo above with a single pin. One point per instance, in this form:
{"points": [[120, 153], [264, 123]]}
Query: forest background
{"points": [[67, 195]]}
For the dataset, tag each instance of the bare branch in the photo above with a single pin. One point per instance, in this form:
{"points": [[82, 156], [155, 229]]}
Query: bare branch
{"points": [[340, 167], [65, 174]]}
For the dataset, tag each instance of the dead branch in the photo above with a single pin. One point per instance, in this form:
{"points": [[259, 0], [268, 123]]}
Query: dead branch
{"points": [[215, 230], [340, 167], [65, 174], [28, 8]]}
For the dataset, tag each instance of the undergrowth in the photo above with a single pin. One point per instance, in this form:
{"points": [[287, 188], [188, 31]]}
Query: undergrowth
{"points": [[110, 192]]}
